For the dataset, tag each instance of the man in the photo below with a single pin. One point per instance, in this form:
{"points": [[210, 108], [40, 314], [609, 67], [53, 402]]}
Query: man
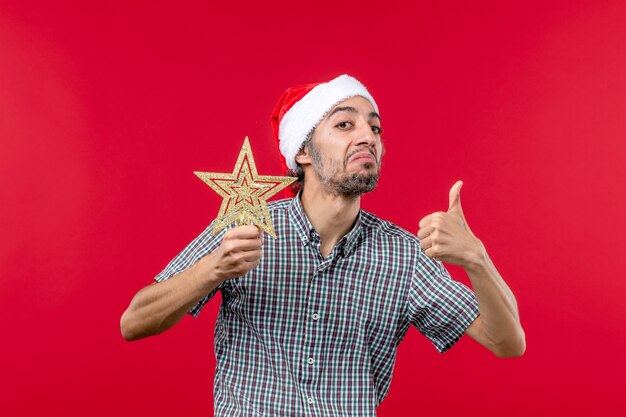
{"points": [[310, 322]]}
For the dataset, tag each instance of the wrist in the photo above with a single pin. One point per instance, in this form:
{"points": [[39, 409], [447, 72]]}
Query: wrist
{"points": [[207, 273], [478, 258]]}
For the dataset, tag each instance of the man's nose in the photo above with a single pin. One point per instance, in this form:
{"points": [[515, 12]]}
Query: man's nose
{"points": [[366, 136]]}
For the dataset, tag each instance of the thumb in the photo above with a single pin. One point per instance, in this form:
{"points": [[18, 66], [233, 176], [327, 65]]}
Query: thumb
{"points": [[455, 199]]}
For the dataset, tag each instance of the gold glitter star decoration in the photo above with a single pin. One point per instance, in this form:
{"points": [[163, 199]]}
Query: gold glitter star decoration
{"points": [[244, 193]]}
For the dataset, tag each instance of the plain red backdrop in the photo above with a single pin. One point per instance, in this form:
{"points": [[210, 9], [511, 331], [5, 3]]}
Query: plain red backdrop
{"points": [[107, 109]]}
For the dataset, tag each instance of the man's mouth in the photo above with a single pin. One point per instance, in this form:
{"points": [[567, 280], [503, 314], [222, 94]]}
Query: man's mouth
{"points": [[362, 156]]}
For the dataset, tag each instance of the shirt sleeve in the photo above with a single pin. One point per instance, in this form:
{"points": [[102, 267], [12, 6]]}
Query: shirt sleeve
{"points": [[439, 307], [199, 247]]}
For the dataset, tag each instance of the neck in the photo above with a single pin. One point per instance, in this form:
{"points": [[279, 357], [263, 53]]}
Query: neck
{"points": [[332, 216]]}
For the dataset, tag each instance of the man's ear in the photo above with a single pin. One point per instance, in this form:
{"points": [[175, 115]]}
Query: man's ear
{"points": [[303, 157]]}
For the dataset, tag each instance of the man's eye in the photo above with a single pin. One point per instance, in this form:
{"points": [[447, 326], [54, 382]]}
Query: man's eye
{"points": [[377, 130], [344, 125]]}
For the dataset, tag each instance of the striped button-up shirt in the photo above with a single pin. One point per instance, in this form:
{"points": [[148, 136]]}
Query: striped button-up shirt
{"points": [[307, 335]]}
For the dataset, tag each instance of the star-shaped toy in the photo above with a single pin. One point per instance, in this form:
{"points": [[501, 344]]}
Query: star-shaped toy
{"points": [[245, 193]]}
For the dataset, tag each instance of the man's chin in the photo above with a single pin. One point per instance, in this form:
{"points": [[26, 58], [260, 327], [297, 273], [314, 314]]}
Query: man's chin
{"points": [[357, 184]]}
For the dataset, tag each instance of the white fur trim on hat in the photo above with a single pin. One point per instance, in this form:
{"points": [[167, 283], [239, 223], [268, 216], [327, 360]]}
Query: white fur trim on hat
{"points": [[305, 115]]}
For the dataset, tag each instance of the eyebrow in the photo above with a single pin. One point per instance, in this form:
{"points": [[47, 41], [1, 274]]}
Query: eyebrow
{"points": [[351, 110]]}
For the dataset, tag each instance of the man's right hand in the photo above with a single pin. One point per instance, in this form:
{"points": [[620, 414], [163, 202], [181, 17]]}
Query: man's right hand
{"points": [[159, 306], [239, 252]]}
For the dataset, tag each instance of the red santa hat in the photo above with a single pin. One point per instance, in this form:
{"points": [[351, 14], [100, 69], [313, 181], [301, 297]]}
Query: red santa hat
{"points": [[300, 109]]}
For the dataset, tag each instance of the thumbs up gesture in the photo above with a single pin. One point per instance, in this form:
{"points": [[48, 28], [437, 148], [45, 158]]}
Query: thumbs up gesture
{"points": [[445, 236]]}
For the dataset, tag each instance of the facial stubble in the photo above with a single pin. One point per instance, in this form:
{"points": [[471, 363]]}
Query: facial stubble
{"points": [[346, 185]]}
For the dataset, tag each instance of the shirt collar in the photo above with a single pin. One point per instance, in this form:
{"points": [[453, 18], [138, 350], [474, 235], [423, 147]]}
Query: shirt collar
{"points": [[305, 230], [299, 220], [352, 237]]}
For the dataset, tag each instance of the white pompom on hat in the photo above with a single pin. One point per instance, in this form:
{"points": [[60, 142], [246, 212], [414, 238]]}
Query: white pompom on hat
{"points": [[300, 109]]}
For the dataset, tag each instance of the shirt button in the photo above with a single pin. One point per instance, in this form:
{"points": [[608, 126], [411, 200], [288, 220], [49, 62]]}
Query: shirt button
{"points": [[315, 316], [310, 361], [310, 400]]}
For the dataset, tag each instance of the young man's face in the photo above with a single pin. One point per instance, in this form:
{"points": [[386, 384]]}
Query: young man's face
{"points": [[346, 148]]}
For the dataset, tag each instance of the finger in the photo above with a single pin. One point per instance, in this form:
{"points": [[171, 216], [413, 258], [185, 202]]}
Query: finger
{"points": [[426, 243], [430, 252], [425, 232], [247, 245], [261, 235], [424, 222], [455, 198], [252, 256], [244, 232], [232, 244], [427, 219]]}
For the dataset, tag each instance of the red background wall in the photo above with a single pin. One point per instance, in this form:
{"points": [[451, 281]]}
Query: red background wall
{"points": [[105, 111]]}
